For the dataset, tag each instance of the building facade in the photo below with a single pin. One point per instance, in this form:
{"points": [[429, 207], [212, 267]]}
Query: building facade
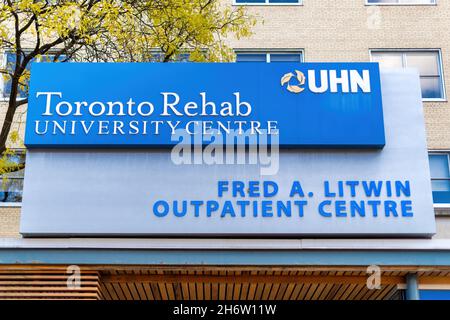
{"points": [[397, 34]]}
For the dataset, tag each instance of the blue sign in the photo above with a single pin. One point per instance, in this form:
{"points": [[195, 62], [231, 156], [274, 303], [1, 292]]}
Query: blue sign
{"points": [[157, 104]]}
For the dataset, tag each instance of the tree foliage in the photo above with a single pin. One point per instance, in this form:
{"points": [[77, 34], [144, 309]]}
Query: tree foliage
{"points": [[112, 30]]}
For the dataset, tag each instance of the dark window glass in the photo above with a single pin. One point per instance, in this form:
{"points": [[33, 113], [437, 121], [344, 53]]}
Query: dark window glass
{"points": [[403, 1], [434, 294], [267, 1], [251, 57], [279, 57], [159, 57], [10, 65], [427, 63], [12, 182], [284, 1], [440, 177], [268, 57], [250, 1]]}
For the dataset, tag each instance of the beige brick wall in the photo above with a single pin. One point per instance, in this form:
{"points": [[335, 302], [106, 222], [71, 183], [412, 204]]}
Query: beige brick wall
{"points": [[9, 222], [18, 123]]}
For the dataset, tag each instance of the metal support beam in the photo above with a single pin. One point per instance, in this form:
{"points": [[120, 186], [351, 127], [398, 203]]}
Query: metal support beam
{"points": [[36, 256], [412, 287]]}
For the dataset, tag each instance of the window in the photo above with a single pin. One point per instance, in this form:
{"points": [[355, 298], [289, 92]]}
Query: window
{"points": [[427, 62], [158, 56], [440, 177], [9, 63], [401, 2], [275, 56], [264, 2], [441, 294], [12, 178]]}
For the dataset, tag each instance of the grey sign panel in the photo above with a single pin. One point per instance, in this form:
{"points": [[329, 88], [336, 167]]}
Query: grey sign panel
{"points": [[143, 192]]}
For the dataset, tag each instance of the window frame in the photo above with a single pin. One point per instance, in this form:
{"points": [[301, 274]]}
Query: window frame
{"points": [[15, 204], [440, 153], [419, 50], [267, 3], [3, 61], [435, 2], [268, 52]]}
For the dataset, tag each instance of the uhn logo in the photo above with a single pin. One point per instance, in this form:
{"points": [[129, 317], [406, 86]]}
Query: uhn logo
{"points": [[328, 80]]}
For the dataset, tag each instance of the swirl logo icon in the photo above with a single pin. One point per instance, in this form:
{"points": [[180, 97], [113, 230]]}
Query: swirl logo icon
{"points": [[294, 88]]}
